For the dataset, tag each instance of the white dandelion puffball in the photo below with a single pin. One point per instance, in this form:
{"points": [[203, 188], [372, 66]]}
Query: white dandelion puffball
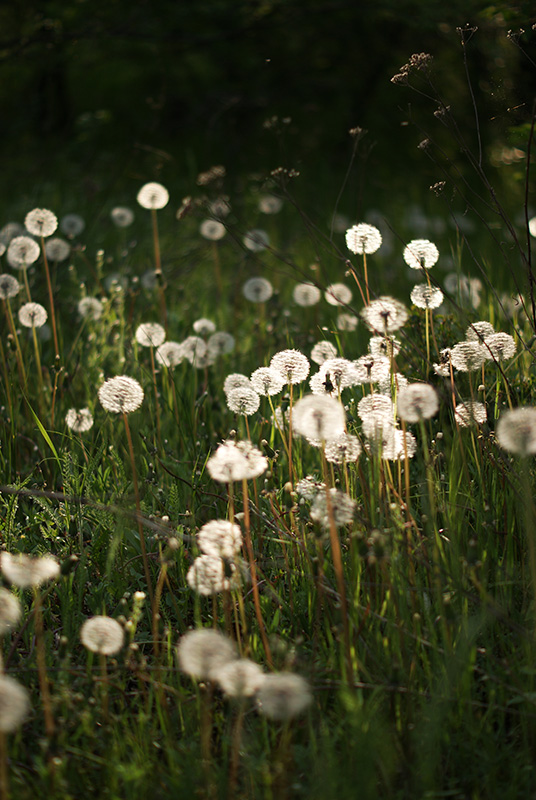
{"points": [[384, 346], [24, 571], [80, 420], [243, 400], [10, 611], [9, 286], [121, 395], [14, 704], [194, 350], [338, 294], [318, 417], [204, 326], [153, 195], [212, 230], [341, 372], [201, 652], [22, 251], [420, 254], [102, 634], [32, 315], [478, 331], [470, 412], [240, 678], [424, 296], [344, 449], [309, 487], [57, 249], [170, 354], [211, 575], [90, 308], [306, 294], [256, 240], [516, 430], [257, 290], [291, 364], [363, 238], [267, 381], [283, 695], [41, 222], [122, 216], [236, 461], [499, 346], [270, 204], [371, 369], [220, 343], [417, 401], [384, 315], [72, 225], [221, 538], [347, 322], [343, 508], [234, 380], [150, 334], [322, 351], [467, 356]]}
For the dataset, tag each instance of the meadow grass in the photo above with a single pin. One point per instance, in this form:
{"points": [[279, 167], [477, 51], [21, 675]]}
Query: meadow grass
{"points": [[413, 622]]}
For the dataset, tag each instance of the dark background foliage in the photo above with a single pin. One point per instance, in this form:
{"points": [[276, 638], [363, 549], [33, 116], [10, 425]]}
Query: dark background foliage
{"points": [[165, 88]]}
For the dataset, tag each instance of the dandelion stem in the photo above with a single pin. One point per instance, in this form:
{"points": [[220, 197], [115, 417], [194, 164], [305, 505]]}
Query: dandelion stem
{"points": [[253, 571], [50, 299]]}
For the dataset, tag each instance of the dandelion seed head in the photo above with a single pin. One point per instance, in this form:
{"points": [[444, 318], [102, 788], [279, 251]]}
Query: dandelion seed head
{"points": [[234, 380], [309, 487], [256, 240], [220, 207], [363, 238], [90, 308], [22, 251], [344, 449], [384, 346], [270, 204], [57, 249], [267, 381], [371, 369], [322, 351], [499, 346], [121, 395], [194, 349], [347, 322], [24, 571], [424, 296], [102, 634], [478, 331], [210, 574], [442, 367], [150, 334], [220, 538], [122, 216], [32, 315], [417, 401], [240, 678], [220, 343], [153, 195], [467, 356], [169, 354], [420, 254], [397, 445], [338, 294], [341, 372], [516, 430], [79, 420], [283, 695], [384, 315], [14, 704], [293, 365], [9, 231], [204, 651], [41, 222], [236, 461], [72, 225], [378, 404], [204, 327], [318, 417], [306, 294], [212, 229], [243, 400], [470, 412], [342, 506], [10, 611], [9, 286], [257, 290]]}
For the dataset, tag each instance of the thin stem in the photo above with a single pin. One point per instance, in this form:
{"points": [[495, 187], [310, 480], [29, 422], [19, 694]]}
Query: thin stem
{"points": [[50, 300]]}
